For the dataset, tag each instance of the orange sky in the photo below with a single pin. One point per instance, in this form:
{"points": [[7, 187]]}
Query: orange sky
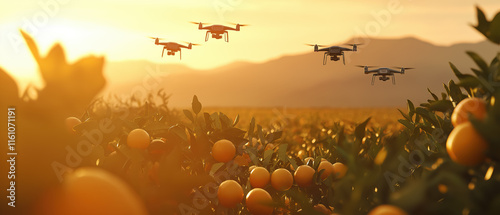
{"points": [[118, 29]]}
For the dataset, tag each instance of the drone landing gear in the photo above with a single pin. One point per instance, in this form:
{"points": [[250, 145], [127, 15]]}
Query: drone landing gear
{"points": [[207, 35], [393, 80], [325, 58], [217, 36], [373, 79]]}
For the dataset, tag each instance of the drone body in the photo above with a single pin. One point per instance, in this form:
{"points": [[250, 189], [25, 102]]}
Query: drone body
{"points": [[384, 73], [172, 47], [334, 51], [217, 31]]}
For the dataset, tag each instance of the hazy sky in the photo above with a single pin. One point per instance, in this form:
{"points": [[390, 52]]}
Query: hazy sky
{"points": [[118, 29]]}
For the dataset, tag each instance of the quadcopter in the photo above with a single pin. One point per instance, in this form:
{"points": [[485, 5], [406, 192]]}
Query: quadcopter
{"points": [[218, 30], [384, 72], [172, 47], [334, 51]]}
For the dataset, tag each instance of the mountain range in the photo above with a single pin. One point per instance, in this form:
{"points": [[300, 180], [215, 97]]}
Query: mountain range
{"points": [[302, 80]]}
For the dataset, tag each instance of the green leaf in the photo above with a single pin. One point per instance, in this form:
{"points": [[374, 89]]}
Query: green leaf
{"points": [[251, 129], [441, 105], [482, 23], [252, 153], [215, 168], [407, 124], [455, 92], [196, 105], [456, 71], [268, 154], [236, 120], [494, 31], [405, 115], [271, 137], [32, 46], [433, 95], [188, 114], [480, 63], [282, 152], [359, 132]]}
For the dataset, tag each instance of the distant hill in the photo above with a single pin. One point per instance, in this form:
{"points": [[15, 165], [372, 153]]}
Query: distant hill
{"points": [[302, 81]]}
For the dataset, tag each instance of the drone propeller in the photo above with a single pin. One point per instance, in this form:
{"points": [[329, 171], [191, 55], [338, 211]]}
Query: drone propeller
{"points": [[355, 44], [154, 38], [307, 44], [197, 23], [241, 25], [406, 68], [193, 44], [366, 66]]}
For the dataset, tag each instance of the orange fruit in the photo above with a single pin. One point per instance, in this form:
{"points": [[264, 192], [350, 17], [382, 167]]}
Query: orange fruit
{"points": [[71, 122], [387, 210], [230, 193], [91, 190], [158, 147], [327, 166], [223, 151], [339, 170], [138, 138], [258, 201], [474, 106], [259, 177], [281, 179], [304, 175], [466, 146], [322, 209]]}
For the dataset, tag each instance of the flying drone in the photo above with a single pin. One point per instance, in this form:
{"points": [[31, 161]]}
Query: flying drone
{"points": [[384, 72], [172, 47], [218, 30], [334, 51]]}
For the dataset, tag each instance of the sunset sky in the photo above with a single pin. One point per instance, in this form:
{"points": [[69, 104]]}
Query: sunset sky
{"points": [[118, 29]]}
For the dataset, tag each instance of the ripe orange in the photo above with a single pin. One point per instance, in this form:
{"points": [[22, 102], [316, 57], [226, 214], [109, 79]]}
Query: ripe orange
{"points": [[304, 175], [71, 122], [91, 190], [387, 210], [474, 106], [281, 179], [327, 166], [138, 138], [258, 201], [259, 177], [465, 146], [223, 151], [230, 193], [158, 147], [339, 170]]}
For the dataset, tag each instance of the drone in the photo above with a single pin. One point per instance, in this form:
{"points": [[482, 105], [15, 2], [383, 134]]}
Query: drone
{"points": [[384, 72], [218, 30], [334, 51], [172, 47]]}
